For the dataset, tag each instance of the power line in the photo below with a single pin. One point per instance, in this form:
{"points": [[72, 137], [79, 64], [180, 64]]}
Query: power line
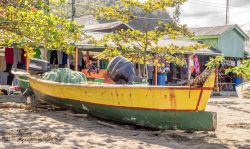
{"points": [[153, 18], [204, 3], [246, 24], [222, 4], [208, 5]]}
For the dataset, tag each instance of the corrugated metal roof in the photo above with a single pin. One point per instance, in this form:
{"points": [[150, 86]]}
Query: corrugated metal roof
{"points": [[216, 30], [162, 42], [106, 26], [86, 20], [205, 51], [167, 41]]}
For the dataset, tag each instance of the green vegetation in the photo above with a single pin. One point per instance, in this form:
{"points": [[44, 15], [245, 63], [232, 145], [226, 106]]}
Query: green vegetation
{"points": [[243, 70], [215, 62], [28, 24], [143, 47]]}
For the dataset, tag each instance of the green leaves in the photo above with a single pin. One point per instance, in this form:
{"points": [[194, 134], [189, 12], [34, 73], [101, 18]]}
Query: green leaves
{"points": [[28, 25], [114, 13], [143, 47], [242, 70], [152, 5], [215, 62]]}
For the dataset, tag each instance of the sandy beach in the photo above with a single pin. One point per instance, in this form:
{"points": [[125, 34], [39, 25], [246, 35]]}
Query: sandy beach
{"points": [[22, 127]]}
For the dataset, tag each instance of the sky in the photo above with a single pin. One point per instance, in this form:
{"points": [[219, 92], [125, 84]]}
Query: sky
{"points": [[198, 13]]}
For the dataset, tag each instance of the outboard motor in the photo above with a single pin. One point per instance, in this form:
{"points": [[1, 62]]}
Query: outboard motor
{"points": [[38, 66], [121, 70]]}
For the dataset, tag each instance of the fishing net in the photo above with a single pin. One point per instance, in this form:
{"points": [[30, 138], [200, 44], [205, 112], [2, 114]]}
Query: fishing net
{"points": [[201, 79], [65, 75]]}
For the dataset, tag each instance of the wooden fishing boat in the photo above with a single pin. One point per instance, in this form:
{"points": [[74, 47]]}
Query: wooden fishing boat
{"points": [[243, 90], [162, 107], [22, 78]]}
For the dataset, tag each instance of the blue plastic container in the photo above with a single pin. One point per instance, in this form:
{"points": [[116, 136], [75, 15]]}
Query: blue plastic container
{"points": [[161, 79], [236, 81]]}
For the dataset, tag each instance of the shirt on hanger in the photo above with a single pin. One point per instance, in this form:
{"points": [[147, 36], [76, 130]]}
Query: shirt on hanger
{"points": [[65, 58], [53, 57], [23, 57], [80, 58], [17, 57], [60, 57], [37, 53], [2, 63], [9, 55]]}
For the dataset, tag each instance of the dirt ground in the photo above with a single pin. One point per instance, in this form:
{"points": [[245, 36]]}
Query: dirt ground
{"points": [[25, 128]]}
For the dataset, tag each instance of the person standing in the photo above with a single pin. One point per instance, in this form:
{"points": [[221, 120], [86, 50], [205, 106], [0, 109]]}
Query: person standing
{"points": [[9, 59], [150, 69]]}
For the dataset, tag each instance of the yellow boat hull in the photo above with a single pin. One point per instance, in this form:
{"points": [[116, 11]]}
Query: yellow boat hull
{"points": [[149, 106], [182, 98]]}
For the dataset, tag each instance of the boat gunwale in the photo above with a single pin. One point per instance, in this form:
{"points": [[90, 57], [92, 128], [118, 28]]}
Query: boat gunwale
{"points": [[22, 80], [120, 86]]}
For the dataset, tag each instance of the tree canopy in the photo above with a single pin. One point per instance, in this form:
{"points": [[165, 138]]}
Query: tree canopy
{"points": [[142, 47], [87, 7], [28, 24]]}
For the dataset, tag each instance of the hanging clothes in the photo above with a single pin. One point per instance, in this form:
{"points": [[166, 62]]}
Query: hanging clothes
{"points": [[80, 59], [53, 57], [23, 59], [9, 55], [64, 58], [71, 61], [48, 55], [17, 57], [60, 57], [3, 78], [9, 59], [37, 53], [2, 63], [196, 64]]}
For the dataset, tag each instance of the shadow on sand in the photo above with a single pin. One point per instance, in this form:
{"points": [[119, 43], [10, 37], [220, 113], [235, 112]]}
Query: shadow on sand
{"points": [[58, 127]]}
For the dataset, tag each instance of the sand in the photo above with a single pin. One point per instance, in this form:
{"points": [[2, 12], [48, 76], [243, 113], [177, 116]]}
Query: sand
{"points": [[22, 127]]}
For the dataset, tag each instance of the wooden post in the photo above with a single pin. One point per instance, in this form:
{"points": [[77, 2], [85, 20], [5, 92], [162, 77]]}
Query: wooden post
{"points": [[87, 57], [217, 79], [156, 75], [76, 58], [27, 63]]}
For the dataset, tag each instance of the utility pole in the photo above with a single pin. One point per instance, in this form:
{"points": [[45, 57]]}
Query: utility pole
{"points": [[227, 13], [73, 10], [72, 19]]}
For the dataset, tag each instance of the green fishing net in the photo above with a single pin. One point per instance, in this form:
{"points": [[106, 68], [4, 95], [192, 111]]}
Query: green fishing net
{"points": [[65, 75]]}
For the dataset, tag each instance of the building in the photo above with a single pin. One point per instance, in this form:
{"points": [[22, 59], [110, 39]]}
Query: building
{"points": [[231, 41], [99, 30]]}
